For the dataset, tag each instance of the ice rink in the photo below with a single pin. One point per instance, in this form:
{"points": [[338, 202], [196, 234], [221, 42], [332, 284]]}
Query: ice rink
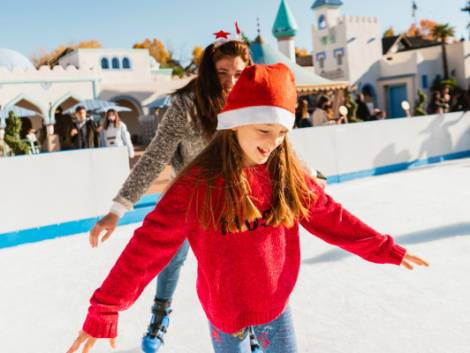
{"points": [[341, 304]]}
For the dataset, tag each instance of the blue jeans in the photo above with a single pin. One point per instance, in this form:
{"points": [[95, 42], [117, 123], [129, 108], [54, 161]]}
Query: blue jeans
{"points": [[168, 278], [277, 336]]}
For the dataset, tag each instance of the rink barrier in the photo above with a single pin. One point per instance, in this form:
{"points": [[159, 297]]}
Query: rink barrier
{"points": [[32, 235], [59, 187], [147, 203]]}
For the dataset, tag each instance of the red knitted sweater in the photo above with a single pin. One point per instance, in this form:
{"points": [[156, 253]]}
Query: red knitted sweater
{"points": [[243, 278]]}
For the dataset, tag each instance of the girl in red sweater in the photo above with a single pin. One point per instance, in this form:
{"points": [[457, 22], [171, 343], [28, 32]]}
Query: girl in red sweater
{"points": [[239, 204]]}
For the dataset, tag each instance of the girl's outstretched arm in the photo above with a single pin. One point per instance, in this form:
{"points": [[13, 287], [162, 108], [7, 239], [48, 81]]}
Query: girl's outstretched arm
{"points": [[152, 246], [331, 222]]}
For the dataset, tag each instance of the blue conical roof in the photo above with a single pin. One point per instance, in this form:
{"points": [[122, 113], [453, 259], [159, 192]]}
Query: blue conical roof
{"points": [[306, 81], [329, 3], [284, 25]]}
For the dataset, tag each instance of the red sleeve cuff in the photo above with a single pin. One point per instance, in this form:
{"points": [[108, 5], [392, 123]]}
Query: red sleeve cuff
{"points": [[99, 328], [397, 254]]}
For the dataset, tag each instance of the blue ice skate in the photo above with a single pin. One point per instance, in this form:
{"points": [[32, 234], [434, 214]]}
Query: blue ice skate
{"points": [[153, 338]]}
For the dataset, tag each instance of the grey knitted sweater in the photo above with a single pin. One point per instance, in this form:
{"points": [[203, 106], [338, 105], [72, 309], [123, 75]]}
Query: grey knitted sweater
{"points": [[178, 140]]}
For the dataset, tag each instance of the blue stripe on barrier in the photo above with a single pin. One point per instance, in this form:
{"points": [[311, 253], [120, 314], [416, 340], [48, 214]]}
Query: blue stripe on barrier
{"points": [[333, 179], [147, 203], [33, 235], [53, 231], [147, 200]]}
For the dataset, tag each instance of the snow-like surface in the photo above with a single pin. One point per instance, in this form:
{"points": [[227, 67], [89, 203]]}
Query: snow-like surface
{"points": [[341, 304]]}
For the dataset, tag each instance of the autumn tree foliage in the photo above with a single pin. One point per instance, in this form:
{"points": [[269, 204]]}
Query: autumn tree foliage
{"points": [[390, 32], [300, 52], [46, 58], [197, 55], [156, 49], [424, 30]]}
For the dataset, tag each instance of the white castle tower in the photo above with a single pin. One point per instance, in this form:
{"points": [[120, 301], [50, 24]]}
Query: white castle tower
{"points": [[345, 47]]}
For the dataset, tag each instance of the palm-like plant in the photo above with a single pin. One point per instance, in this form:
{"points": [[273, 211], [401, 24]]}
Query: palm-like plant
{"points": [[441, 33]]}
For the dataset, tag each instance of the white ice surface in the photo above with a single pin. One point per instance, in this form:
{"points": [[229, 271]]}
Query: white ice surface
{"points": [[341, 304]]}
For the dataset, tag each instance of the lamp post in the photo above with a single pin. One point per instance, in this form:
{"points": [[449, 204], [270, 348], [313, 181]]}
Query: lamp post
{"points": [[467, 10], [2, 126]]}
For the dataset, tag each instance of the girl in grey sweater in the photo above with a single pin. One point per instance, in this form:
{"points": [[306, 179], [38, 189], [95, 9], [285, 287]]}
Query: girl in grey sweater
{"points": [[184, 131]]}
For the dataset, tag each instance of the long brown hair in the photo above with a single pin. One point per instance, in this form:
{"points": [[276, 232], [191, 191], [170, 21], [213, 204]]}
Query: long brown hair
{"points": [[220, 166], [304, 109], [116, 122], [210, 97]]}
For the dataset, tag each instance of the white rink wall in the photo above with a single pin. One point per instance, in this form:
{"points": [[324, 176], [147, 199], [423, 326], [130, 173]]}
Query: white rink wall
{"points": [[60, 187], [52, 188], [342, 149]]}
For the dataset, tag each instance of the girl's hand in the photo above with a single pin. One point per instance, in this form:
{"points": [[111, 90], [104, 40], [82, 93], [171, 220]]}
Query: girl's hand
{"points": [[106, 224], [410, 259], [89, 341]]}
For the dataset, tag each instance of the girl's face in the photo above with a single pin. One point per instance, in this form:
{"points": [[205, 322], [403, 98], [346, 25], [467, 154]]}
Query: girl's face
{"points": [[257, 141], [228, 71], [111, 117]]}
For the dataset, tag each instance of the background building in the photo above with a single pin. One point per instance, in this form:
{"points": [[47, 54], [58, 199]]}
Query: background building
{"points": [[129, 77]]}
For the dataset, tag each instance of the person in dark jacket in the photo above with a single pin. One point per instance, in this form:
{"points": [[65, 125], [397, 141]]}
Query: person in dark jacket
{"points": [[85, 132], [363, 111], [305, 118]]}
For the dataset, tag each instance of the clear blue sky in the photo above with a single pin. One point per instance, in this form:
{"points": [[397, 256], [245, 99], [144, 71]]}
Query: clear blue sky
{"points": [[28, 26]]}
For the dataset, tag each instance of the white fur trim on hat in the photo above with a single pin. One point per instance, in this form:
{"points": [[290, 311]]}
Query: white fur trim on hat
{"points": [[255, 115]]}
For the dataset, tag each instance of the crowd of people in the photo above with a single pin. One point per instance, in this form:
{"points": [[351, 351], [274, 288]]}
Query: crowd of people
{"points": [[444, 101], [80, 131], [319, 111]]}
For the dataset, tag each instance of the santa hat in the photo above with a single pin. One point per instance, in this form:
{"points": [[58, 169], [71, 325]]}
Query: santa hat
{"points": [[263, 94]]}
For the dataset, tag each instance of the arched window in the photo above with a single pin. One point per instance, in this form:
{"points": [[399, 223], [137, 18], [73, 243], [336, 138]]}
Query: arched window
{"points": [[322, 22], [339, 55], [115, 63], [126, 63], [339, 59], [105, 63], [321, 57]]}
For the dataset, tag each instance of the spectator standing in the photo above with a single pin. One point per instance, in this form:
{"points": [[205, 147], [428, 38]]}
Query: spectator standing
{"points": [[115, 133]]}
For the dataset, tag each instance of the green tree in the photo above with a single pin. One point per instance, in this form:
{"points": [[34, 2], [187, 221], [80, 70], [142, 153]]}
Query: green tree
{"points": [[441, 33], [352, 107], [420, 104], [178, 71], [245, 38], [12, 135]]}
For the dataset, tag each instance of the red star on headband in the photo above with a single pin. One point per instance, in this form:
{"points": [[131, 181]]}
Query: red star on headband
{"points": [[221, 34]]}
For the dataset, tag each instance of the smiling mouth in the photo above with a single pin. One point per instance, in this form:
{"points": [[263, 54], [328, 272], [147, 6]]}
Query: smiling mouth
{"points": [[264, 152]]}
